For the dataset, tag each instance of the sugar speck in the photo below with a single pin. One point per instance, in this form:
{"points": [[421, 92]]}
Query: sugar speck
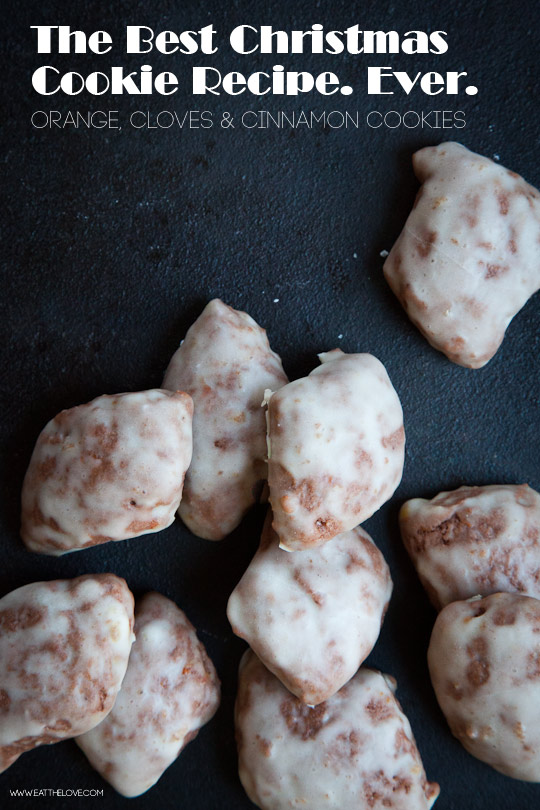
{"points": [[339, 337], [496, 157], [383, 253], [355, 255], [276, 300]]}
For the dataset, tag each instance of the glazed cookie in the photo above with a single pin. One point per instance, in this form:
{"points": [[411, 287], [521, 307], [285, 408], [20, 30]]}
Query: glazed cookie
{"points": [[170, 690], [336, 447], [484, 661], [225, 363], [64, 648], [468, 257], [475, 540], [356, 751], [108, 470], [315, 615]]}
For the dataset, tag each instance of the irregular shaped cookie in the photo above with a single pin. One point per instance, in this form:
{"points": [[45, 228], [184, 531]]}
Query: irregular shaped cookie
{"points": [[468, 257], [484, 661], [226, 364], [108, 470], [336, 447], [353, 752], [475, 540], [64, 648], [170, 690], [313, 616]]}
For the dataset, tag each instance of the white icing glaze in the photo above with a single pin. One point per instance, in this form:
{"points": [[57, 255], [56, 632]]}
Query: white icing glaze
{"points": [[484, 661], [352, 752], [475, 540], [468, 257], [108, 470], [336, 448], [313, 616], [64, 648], [225, 363], [170, 690]]}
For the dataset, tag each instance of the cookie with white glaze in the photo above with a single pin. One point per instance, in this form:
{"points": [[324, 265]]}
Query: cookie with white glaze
{"points": [[107, 470], [64, 648], [225, 363], [475, 540], [355, 751], [169, 692], [336, 448], [468, 258], [313, 616], [484, 661]]}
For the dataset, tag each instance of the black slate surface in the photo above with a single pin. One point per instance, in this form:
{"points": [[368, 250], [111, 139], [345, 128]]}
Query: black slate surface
{"points": [[115, 240]]}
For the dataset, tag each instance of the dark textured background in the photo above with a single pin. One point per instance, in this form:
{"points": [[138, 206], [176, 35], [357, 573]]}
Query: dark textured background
{"points": [[113, 243]]}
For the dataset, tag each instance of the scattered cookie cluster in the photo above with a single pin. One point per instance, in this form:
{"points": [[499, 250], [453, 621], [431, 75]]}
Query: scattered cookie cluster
{"points": [[477, 553], [76, 662], [228, 429]]}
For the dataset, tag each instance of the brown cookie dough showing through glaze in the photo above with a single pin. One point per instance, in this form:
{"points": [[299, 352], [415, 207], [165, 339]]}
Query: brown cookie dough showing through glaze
{"points": [[484, 661], [475, 540], [108, 470], [355, 751], [312, 616], [225, 363], [468, 258], [170, 690], [64, 648], [336, 446]]}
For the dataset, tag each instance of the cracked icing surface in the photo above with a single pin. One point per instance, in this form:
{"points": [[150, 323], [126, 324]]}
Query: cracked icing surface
{"points": [[484, 661], [475, 540], [64, 648], [353, 752], [336, 448], [170, 690], [468, 257], [312, 616], [108, 470], [225, 363]]}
